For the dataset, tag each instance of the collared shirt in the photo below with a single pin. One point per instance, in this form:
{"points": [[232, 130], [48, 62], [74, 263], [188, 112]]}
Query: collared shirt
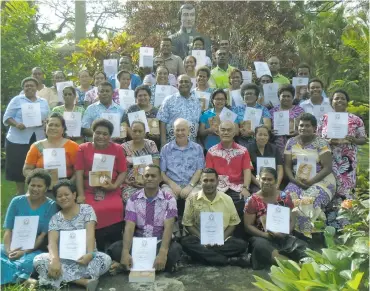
{"points": [[229, 164], [81, 95], [149, 216], [177, 106], [317, 110], [174, 90], [95, 110], [14, 110], [198, 202], [174, 64], [280, 79], [180, 163], [151, 80], [240, 110], [220, 78], [135, 81]]}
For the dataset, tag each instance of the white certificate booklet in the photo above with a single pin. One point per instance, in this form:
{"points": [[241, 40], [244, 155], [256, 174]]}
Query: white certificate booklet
{"points": [[265, 162], [110, 67], [337, 124], [211, 228], [56, 159], [270, 93], [146, 57], [227, 114], [126, 98], [247, 77], [194, 83], [298, 81], [72, 244], [60, 87], [31, 114], [281, 122], [278, 218], [142, 160], [144, 250], [203, 96], [138, 116], [115, 118], [262, 68], [307, 160], [200, 56], [103, 162], [237, 97], [161, 92], [254, 115], [24, 232], [73, 123], [319, 111]]}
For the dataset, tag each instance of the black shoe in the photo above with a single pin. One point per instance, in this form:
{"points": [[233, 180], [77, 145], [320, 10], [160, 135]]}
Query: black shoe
{"points": [[242, 262]]}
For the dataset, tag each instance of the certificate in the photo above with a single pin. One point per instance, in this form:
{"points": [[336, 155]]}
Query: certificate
{"points": [[146, 57], [73, 123], [98, 178], [144, 250], [262, 68], [115, 118], [266, 163], [153, 126], [161, 92], [254, 115], [103, 162], [203, 98], [337, 124], [72, 244], [299, 82], [31, 114], [110, 67], [306, 166], [56, 159], [227, 114], [200, 56], [281, 122], [60, 87], [126, 98], [138, 116], [139, 164], [237, 97], [211, 228], [247, 77], [278, 219], [194, 83], [319, 111], [24, 232], [270, 93]]}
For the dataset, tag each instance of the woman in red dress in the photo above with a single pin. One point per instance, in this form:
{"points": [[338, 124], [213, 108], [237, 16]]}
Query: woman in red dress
{"points": [[97, 156]]}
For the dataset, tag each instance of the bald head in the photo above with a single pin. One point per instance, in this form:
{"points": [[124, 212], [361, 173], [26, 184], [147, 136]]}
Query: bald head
{"points": [[181, 122], [227, 131], [184, 84], [274, 64]]}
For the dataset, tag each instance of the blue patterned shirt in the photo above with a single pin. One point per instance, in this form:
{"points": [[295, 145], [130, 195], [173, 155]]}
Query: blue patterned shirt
{"points": [[177, 106], [81, 95], [180, 163], [95, 110], [240, 110]]}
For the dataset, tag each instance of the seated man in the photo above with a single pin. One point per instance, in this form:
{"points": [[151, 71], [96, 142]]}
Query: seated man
{"points": [[209, 199], [150, 212], [232, 162], [181, 161]]}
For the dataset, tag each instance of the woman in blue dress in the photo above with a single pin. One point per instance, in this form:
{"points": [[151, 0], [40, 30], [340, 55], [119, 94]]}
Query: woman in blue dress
{"points": [[17, 264]]}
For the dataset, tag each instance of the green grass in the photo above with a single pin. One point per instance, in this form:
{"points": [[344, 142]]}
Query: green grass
{"points": [[363, 157]]}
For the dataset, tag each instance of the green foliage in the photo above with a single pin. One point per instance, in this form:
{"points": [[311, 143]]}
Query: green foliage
{"points": [[92, 52], [20, 49], [361, 109]]}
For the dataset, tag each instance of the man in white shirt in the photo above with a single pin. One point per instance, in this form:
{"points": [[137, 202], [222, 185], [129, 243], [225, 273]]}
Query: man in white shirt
{"points": [[150, 79]]}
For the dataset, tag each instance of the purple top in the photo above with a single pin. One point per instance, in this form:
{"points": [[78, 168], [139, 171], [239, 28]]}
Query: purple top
{"points": [[148, 216]]}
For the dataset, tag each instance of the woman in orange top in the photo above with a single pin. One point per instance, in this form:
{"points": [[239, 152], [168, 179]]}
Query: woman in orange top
{"points": [[55, 132]]}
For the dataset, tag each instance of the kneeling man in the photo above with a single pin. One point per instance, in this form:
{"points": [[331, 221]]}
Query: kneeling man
{"points": [[211, 200], [150, 212]]}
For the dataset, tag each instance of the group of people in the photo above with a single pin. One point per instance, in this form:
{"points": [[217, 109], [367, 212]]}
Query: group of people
{"points": [[196, 160]]}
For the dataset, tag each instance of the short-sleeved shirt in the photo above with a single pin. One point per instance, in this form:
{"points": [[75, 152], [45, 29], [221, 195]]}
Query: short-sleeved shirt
{"points": [[198, 202], [180, 163], [14, 110], [177, 106], [149, 216], [19, 206], [95, 110], [175, 65], [271, 151], [229, 164], [35, 156], [240, 110], [220, 78], [317, 110], [280, 79]]}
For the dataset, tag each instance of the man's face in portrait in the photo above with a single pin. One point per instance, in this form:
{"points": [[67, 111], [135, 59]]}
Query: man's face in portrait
{"points": [[187, 18]]}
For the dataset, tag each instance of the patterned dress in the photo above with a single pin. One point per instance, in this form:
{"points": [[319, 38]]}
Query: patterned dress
{"points": [[316, 197], [149, 148], [71, 270], [280, 141]]}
